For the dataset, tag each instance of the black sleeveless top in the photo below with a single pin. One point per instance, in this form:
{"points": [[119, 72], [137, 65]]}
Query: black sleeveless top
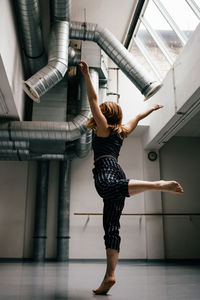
{"points": [[110, 145]]}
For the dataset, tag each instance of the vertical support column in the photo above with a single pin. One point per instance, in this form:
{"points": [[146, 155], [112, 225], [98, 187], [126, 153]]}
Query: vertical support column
{"points": [[39, 246], [63, 211]]}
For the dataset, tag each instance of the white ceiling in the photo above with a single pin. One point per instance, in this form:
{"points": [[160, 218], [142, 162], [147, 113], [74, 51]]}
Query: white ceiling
{"points": [[115, 15], [112, 14]]}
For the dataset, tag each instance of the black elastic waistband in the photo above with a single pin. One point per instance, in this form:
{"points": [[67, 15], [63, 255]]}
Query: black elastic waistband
{"points": [[106, 161]]}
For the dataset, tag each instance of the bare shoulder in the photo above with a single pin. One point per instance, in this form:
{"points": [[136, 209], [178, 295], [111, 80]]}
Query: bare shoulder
{"points": [[102, 132]]}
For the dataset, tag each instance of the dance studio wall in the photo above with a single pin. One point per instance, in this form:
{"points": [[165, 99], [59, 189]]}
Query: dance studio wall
{"points": [[11, 60], [86, 231], [180, 160]]}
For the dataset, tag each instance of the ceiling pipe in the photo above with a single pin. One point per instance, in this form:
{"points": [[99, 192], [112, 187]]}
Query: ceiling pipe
{"points": [[83, 144], [118, 53], [16, 136], [28, 13], [74, 56], [54, 71], [61, 10], [49, 131]]}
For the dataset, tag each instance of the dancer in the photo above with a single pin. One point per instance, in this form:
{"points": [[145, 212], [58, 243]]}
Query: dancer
{"points": [[110, 180]]}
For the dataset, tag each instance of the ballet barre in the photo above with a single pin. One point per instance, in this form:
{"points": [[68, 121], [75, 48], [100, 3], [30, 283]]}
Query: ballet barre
{"points": [[140, 214]]}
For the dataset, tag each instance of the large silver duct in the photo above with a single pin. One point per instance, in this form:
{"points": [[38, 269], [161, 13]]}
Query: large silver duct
{"points": [[74, 56], [15, 137], [83, 144], [117, 52], [54, 71], [61, 10], [41, 131], [30, 25]]}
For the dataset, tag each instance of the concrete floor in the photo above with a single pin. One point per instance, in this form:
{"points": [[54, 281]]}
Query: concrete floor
{"points": [[74, 281]]}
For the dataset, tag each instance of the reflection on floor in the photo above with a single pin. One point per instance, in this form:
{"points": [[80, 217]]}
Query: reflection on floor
{"points": [[75, 280]]}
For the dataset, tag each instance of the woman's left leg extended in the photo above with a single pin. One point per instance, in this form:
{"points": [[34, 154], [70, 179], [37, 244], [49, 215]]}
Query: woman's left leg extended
{"points": [[139, 186]]}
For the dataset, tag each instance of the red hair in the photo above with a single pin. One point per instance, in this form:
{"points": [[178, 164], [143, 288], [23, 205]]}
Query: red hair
{"points": [[113, 114]]}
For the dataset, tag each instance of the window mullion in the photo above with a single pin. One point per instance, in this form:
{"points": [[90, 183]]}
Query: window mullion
{"points": [[158, 40], [171, 22], [147, 57], [194, 7]]}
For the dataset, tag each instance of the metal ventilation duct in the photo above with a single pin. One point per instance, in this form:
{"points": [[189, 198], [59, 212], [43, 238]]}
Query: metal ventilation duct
{"points": [[61, 10], [83, 144], [28, 12], [118, 53], [54, 71], [15, 136]]}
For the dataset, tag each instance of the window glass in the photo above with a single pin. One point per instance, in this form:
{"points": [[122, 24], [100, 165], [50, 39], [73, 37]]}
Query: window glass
{"points": [[154, 51], [198, 3], [182, 14], [163, 29], [135, 51]]}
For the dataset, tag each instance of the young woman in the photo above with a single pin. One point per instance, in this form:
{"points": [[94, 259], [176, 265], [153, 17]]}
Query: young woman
{"points": [[110, 180]]}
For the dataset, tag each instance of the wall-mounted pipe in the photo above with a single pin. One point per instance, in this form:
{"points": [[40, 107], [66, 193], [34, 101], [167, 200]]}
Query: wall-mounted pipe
{"points": [[83, 144], [13, 145], [74, 56], [39, 245], [61, 10], [63, 211], [21, 134], [54, 71], [118, 53], [49, 131], [28, 13]]}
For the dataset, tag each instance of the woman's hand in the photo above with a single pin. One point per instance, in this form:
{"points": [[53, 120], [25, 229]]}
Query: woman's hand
{"points": [[83, 67], [157, 106]]}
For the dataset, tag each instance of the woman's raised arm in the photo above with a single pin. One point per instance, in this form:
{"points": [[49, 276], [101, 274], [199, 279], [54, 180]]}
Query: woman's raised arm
{"points": [[132, 124], [99, 118]]}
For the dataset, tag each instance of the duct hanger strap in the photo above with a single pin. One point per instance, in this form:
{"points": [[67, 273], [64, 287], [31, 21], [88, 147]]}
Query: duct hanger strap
{"points": [[82, 31]]}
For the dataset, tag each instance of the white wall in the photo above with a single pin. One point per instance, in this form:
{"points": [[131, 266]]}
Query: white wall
{"points": [[10, 55], [142, 237], [180, 161], [87, 232], [13, 184], [179, 92]]}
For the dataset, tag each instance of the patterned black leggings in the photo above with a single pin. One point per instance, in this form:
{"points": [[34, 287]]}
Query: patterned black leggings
{"points": [[112, 185]]}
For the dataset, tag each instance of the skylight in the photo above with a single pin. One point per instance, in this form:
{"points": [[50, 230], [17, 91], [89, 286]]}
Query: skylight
{"points": [[163, 28]]}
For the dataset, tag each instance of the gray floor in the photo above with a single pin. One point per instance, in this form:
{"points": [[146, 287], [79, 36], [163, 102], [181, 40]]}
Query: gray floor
{"points": [[76, 280]]}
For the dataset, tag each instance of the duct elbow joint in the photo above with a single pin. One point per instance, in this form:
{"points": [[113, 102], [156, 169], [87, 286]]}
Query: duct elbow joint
{"points": [[152, 89], [30, 91]]}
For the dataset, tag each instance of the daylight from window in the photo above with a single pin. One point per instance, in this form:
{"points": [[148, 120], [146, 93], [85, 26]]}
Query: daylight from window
{"points": [[163, 29]]}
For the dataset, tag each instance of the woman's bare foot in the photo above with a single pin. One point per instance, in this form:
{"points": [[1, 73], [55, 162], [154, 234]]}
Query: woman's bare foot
{"points": [[105, 286], [170, 186]]}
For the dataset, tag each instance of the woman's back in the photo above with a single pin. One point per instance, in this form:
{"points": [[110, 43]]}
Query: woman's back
{"points": [[110, 145]]}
